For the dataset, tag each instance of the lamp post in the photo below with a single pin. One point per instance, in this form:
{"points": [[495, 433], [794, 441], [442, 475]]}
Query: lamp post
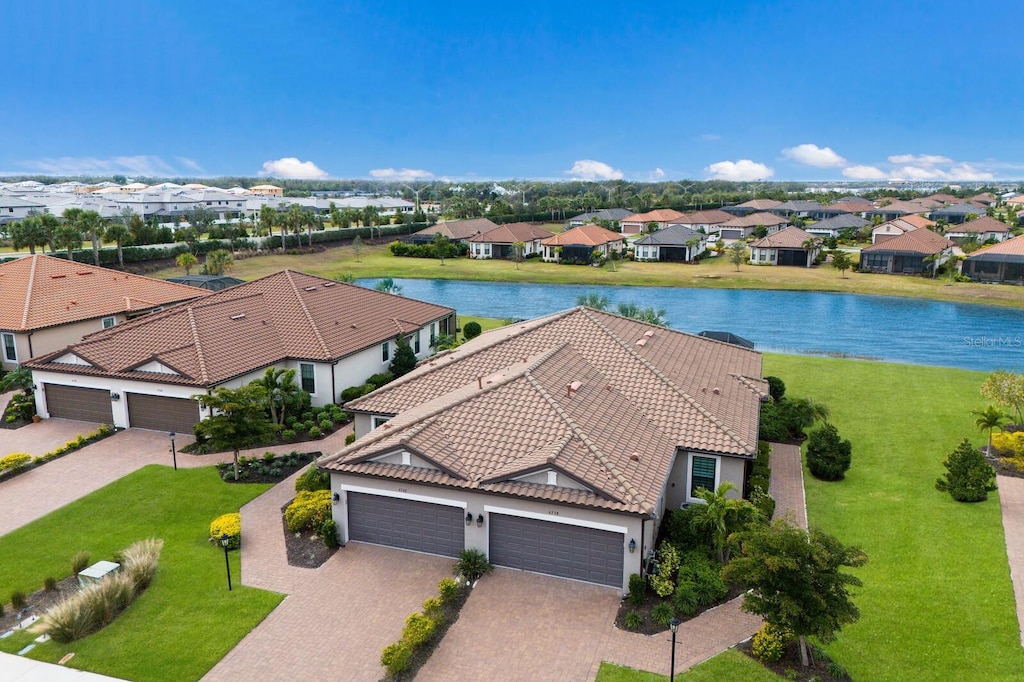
{"points": [[674, 626], [174, 453], [225, 541]]}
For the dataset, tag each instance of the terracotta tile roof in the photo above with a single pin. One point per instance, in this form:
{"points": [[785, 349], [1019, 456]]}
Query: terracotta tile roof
{"points": [[1011, 249], [248, 327], [502, 406], [980, 225], [659, 215], [790, 238], [703, 218], [851, 206], [756, 220], [589, 235], [920, 241], [761, 204], [900, 207], [41, 291], [459, 229], [917, 221], [511, 233]]}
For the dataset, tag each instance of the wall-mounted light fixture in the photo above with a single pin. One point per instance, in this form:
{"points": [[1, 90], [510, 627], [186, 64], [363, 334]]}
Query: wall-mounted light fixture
{"points": [[115, 396], [480, 521], [469, 518], [632, 546], [335, 498]]}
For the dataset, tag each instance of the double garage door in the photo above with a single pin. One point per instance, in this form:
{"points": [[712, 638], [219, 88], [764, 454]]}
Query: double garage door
{"points": [[161, 413], [587, 554], [75, 402]]}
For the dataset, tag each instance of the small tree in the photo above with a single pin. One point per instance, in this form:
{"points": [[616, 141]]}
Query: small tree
{"points": [[841, 261], [471, 330], [737, 253], [357, 246], [1006, 388], [442, 247], [988, 419], [186, 261], [828, 457], [238, 419], [404, 360], [795, 580], [776, 387], [217, 261], [518, 252], [968, 478]]}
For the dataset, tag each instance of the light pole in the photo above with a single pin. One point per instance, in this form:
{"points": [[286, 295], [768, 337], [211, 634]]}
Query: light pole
{"points": [[674, 626], [174, 452], [225, 541]]}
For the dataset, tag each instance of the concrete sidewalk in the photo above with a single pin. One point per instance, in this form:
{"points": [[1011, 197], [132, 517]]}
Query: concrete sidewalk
{"points": [[1011, 502]]}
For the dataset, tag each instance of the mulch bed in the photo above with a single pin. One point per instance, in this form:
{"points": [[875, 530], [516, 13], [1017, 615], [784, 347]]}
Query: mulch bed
{"points": [[649, 626], [1003, 467], [305, 549], [249, 473], [422, 654], [789, 664], [38, 602]]}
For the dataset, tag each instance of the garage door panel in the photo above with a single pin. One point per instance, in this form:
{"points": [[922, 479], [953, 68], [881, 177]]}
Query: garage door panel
{"points": [[406, 524], [162, 413], [560, 549], [75, 402]]}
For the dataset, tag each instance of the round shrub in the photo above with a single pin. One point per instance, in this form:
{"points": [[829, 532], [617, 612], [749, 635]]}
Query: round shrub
{"points": [[15, 460], [637, 589], [968, 478], [418, 629], [328, 532], [770, 641], [471, 330], [685, 600], [315, 432], [326, 425], [448, 589], [776, 388], [230, 525], [432, 607], [313, 479], [308, 510], [395, 658], [288, 434], [350, 438], [828, 457]]}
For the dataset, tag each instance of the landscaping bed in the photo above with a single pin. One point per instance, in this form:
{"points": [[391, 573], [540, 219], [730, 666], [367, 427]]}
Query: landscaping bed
{"points": [[649, 626], [269, 468], [446, 616], [305, 548], [820, 669], [38, 602]]}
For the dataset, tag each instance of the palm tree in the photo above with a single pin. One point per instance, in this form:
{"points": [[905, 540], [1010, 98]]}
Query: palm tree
{"points": [[92, 225], [49, 223], [120, 233], [989, 418], [721, 516], [217, 261], [187, 261], [593, 300], [68, 236]]}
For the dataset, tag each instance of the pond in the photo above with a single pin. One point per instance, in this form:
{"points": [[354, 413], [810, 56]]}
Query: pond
{"points": [[891, 329]]}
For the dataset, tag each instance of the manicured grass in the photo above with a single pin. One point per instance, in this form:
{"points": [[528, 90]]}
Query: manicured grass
{"points": [[729, 665], [187, 620], [377, 261], [486, 323], [937, 602]]}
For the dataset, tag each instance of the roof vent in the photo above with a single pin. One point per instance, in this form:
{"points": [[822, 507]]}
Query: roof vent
{"points": [[57, 276], [329, 284], [716, 390], [649, 333], [635, 457], [570, 389], [641, 342], [85, 272], [239, 316], [313, 288]]}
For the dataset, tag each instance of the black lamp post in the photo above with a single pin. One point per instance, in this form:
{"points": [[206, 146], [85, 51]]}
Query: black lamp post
{"points": [[225, 541], [174, 453], [674, 627]]}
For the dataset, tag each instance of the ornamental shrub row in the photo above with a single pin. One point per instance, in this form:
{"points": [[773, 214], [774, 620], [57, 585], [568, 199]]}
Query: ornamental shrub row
{"points": [[420, 628], [16, 462]]}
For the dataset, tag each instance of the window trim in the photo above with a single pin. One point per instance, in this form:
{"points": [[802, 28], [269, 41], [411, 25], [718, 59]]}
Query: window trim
{"points": [[302, 379], [377, 422], [111, 319], [385, 351], [13, 347], [689, 474]]}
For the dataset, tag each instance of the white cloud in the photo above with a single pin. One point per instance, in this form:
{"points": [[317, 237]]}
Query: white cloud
{"points": [[400, 175], [588, 169], [965, 171], [141, 165], [190, 164], [710, 137], [926, 160], [864, 173], [656, 174], [291, 168], [813, 155], [959, 171], [741, 170]]}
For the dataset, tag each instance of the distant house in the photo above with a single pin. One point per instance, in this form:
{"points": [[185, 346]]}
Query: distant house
{"points": [[638, 222], [702, 221], [456, 231], [915, 252], [855, 207], [676, 243], [798, 208], [1003, 263], [49, 303], [985, 198], [896, 209], [752, 206], [831, 227], [943, 198], [500, 242], [742, 227], [898, 226], [954, 214], [269, 190], [579, 244], [982, 229], [16, 208], [791, 246], [208, 282], [614, 215]]}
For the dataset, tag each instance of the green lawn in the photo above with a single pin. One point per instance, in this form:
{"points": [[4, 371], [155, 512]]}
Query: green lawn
{"points": [[730, 665], [187, 620], [937, 603]]}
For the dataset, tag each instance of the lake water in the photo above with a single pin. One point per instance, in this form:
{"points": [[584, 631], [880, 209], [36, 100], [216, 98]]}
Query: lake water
{"points": [[904, 330]]}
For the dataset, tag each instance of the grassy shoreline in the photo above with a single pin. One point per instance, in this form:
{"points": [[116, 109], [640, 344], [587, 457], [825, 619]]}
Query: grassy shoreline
{"points": [[714, 273]]}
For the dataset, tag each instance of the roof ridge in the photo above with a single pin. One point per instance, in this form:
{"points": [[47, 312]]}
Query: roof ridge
{"points": [[28, 291], [309, 316], [671, 384], [198, 344]]}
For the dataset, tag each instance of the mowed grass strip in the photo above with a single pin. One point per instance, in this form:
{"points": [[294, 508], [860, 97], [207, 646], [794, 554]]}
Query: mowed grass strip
{"points": [[186, 620], [937, 602], [729, 665]]}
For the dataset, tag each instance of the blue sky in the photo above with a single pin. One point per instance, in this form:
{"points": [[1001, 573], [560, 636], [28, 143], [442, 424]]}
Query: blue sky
{"points": [[812, 90]]}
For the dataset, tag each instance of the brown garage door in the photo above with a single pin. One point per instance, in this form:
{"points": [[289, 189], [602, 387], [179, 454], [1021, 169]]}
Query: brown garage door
{"points": [[75, 402], [161, 413]]}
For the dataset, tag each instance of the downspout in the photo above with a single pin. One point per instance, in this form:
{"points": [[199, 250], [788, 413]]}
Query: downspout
{"points": [[30, 353], [643, 537], [333, 388]]}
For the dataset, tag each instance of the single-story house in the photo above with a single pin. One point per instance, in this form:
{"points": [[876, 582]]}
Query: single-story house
{"points": [[1002, 262], [676, 243], [907, 254], [799, 208], [791, 246], [832, 226], [845, 207], [982, 229], [898, 226], [50, 303], [742, 227], [985, 199], [638, 222], [456, 230], [500, 242], [15, 208], [752, 206], [942, 198], [144, 373], [555, 446], [614, 215], [580, 243], [897, 209], [704, 221], [954, 214]]}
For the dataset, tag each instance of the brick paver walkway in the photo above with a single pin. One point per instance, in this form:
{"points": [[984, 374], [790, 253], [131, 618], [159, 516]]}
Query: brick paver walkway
{"points": [[787, 483], [1011, 502]]}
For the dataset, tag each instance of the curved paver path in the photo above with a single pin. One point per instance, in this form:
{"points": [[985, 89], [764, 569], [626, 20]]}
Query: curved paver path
{"points": [[1011, 503]]}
